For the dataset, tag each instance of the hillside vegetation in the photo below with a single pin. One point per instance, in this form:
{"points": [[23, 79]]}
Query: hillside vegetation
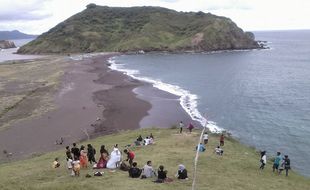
{"points": [[237, 169], [102, 28]]}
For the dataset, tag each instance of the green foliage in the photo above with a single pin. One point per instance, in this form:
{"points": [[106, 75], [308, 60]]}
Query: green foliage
{"points": [[101, 28]]}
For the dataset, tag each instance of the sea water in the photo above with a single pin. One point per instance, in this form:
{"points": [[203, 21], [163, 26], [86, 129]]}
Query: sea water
{"points": [[261, 96]]}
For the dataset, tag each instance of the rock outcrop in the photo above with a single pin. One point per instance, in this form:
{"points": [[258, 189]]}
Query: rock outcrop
{"points": [[5, 44]]}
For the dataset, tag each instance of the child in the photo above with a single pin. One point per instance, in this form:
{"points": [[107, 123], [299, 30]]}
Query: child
{"points": [[56, 164]]}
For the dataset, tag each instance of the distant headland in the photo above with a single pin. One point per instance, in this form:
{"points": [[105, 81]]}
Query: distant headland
{"points": [[102, 28]]}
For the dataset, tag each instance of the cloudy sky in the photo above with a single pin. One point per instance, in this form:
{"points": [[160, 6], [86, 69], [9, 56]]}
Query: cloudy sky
{"points": [[37, 16]]}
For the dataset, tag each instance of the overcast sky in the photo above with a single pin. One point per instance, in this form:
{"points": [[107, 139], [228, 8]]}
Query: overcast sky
{"points": [[37, 16]]}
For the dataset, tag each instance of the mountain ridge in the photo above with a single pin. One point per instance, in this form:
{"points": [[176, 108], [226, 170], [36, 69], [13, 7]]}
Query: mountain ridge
{"points": [[102, 28], [15, 34]]}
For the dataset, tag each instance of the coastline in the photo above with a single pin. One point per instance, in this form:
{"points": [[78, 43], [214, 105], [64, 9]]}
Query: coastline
{"points": [[92, 100]]}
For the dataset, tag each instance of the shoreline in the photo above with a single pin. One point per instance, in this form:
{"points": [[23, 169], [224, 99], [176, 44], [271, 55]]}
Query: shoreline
{"points": [[92, 100], [87, 105]]}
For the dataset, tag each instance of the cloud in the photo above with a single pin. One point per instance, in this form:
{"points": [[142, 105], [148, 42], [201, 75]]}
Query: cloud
{"points": [[14, 10], [37, 16]]}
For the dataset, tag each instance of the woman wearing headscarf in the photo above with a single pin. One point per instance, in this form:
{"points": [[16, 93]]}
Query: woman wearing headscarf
{"points": [[182, 172]]}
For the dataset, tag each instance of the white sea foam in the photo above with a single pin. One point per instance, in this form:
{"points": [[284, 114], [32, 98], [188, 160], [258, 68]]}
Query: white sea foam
{"points": [[188, 101]]}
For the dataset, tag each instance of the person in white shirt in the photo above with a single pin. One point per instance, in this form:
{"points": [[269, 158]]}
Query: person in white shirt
{"points": [[181, 125], [219, 151], [205, 138], [263, 160], [148, 170]]}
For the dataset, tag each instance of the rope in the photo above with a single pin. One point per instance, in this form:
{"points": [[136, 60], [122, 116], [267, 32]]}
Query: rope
{"points": [[197, 155]]}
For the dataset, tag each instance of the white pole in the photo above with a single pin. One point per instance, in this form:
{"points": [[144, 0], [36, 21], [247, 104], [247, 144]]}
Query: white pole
{"points": [[197, 155]]}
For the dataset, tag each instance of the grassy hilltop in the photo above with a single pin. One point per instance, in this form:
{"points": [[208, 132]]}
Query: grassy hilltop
{"points": [[102, 28], [237, 169]]}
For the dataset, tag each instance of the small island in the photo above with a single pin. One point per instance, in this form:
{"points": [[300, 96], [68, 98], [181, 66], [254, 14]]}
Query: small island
{"points": [[134, 29]]}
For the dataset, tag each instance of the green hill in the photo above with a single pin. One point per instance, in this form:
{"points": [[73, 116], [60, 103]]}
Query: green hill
{"points": [[237, 169], [102, 28]]}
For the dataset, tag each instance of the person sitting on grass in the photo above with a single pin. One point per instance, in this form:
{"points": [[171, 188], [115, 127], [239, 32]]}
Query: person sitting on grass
{"points": [[134, 172], [130, 156], [162, 175], [56, 163], [146, 141], [201, 147], [219, 151], [139, 141], [148, 170], [182, 172]]}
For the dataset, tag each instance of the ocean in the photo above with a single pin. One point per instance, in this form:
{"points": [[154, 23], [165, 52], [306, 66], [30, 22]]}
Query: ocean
{"points": [[9, 54], [262, 97]]}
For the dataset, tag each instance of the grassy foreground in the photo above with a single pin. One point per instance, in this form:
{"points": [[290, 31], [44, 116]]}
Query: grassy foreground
{"points": [[237, 169]]}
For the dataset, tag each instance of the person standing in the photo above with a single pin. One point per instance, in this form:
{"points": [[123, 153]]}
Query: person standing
{"points": [[263, 160], [287, 164], [75, 151], [205, 138], [190, 127], [68, 152], [222, 140], [83, 157], [181, 125], [91, 154], [277, 162]]}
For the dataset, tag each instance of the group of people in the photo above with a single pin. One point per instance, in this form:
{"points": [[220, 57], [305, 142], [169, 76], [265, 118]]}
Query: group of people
{"points": [[190, 127], [218, 150], [78, 158], [280, 163], [148, 172]]}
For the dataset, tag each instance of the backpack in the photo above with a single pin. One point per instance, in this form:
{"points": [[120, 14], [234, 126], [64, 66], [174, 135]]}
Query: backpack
{"points": [[124, 167]]}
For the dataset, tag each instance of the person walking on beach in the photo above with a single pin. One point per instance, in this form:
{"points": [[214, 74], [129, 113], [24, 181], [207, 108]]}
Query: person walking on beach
{"points": [[263, 160], [181, 125], [277, 162], [222, 140], [190, 127]]}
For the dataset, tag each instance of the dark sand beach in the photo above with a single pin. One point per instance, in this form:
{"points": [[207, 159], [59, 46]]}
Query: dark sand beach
{"points": [[91, 101]]}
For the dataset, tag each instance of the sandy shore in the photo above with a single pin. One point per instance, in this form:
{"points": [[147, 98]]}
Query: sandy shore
{"points": [[92, 100]]}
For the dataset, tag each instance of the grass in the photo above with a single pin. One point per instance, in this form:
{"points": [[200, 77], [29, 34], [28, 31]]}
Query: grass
{"points": [[26, 88], [237, 169]]}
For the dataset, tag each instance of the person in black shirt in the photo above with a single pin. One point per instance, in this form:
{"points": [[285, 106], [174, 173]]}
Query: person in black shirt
{"points": [[91, 154], [68, 152], [182, 172], [287, 164], [134, 172], [161, 174], [75, 151]]}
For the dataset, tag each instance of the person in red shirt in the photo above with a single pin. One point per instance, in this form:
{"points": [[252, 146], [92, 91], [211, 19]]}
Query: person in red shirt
{"points": [[222, 140], [190, 127], [130, 156]]}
